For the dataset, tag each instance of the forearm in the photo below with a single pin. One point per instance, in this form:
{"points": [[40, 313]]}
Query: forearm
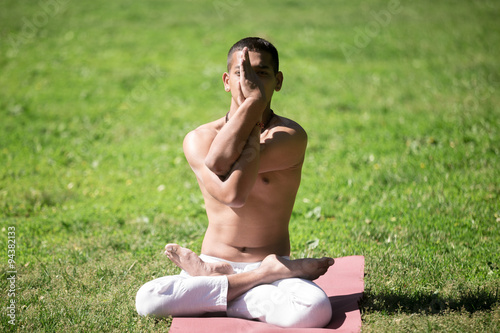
{"points": [[229, 143], [243, 173]]}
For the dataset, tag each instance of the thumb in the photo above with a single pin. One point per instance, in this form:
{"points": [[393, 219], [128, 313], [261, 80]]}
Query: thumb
{"points": [[241, 96]]}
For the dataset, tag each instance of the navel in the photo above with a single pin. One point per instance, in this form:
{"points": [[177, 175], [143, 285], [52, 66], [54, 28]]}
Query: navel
{"points": [[265, 180]]}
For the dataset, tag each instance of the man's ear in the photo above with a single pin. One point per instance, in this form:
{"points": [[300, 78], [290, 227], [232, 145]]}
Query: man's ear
{"points": [[279, 81], [225, 80]]}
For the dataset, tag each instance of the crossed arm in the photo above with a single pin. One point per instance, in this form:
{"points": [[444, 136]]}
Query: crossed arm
{"points": [[230, 142], [227, 161], [233, 188]]}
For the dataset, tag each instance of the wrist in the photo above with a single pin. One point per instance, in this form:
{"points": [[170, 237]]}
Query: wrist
{"points": [[257, 102]]}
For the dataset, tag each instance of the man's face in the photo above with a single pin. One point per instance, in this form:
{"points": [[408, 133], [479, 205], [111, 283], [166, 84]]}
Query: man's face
{"points": [[261, 63]]}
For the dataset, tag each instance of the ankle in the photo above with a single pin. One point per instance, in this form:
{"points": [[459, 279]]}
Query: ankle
{"points": [[270, 274]]}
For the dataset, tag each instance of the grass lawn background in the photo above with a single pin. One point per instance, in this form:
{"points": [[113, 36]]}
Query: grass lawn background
{"points": [[400, 101]]}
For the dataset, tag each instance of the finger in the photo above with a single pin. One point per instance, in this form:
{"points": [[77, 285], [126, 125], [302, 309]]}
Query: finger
{"points": [[241, 55], [243, 77], [242, 61], [244, 54], [241, 96], [246, 60]]}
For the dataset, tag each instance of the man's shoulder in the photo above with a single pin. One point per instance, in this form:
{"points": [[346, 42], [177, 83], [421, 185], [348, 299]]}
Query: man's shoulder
{"points": [[198, 141], [204, 131], [290, 126]]}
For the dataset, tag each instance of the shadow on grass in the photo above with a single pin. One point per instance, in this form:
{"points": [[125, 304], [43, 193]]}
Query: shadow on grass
{"points": [[428, 303]]}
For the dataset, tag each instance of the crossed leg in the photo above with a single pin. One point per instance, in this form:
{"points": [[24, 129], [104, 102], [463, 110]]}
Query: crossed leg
{"points": [[193, 265], [272, 268], [278, 291]]}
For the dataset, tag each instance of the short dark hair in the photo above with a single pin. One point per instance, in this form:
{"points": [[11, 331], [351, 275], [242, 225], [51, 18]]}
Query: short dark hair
{"points": [[255, 44]]}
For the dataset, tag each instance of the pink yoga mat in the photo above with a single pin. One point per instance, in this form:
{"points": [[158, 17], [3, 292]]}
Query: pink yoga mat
{"points": [[343, 283]]}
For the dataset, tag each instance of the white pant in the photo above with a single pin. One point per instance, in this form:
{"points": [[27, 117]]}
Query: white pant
{"points": [[288, 303]]}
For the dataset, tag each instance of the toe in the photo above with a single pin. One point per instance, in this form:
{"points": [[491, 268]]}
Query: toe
{"points": [[171, 247]]}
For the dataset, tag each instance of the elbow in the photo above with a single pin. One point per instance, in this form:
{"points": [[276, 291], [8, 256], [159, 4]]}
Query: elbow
{"points": [[217, 167], [233, 199], [237, 203], [228, 194]]}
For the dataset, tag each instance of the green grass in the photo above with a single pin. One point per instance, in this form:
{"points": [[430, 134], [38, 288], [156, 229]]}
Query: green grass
{"points": [[402, 164]]}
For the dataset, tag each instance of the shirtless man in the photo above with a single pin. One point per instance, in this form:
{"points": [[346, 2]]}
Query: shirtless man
{"points": [[248, 166]]}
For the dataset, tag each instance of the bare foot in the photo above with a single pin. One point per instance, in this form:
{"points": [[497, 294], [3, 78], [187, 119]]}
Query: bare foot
{"points": [[193, 265], [307, 268]]}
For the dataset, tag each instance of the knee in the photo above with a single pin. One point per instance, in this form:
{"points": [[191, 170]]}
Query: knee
{"points": [[154, 298], [308, 305], [316, 314], [320, 313], [143, 301]]}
